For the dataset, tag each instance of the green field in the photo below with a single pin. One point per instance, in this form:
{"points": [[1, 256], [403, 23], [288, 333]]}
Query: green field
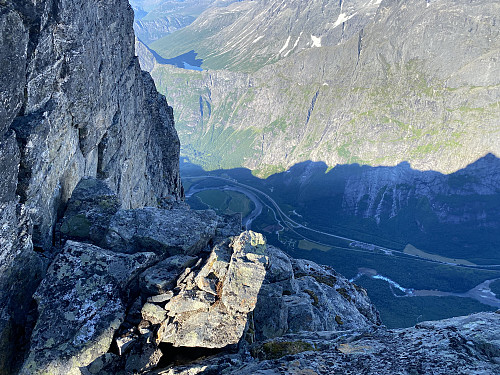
{"points": [[226, 201]]}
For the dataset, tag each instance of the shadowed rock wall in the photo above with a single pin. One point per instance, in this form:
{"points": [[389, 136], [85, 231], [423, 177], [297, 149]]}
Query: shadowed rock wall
{"points": [[73, 103]]}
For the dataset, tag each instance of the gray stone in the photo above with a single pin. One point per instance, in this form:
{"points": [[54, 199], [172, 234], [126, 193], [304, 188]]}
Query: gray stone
{"points": [[153, 313], [89, 211], [280, 266], [80, 306], [162, 277], [176, 231], [270, 316], [161, 298], [144, 359]]}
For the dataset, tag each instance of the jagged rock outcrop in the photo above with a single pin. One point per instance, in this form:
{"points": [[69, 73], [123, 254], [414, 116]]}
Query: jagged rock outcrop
{"points": [[74, 103], [123, 309]]}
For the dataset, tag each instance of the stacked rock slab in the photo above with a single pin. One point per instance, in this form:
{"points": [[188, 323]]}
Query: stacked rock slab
{"points": [[73, 103]]}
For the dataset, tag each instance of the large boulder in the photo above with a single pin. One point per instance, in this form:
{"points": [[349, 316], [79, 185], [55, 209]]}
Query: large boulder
{"points": [[176, 231], [81, 303], [89, 211]]}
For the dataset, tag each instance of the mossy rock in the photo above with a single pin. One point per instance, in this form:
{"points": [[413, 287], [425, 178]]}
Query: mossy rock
{"points": [[343, 292], [77, 226], [313, 296], [278, 349]]}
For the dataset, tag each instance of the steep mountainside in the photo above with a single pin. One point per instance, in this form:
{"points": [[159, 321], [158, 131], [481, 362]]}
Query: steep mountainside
{"points": [[419, 83], [74, 103], [247, 35]]}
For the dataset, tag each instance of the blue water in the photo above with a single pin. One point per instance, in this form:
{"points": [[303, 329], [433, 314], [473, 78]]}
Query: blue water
{"points": [[192, 67]]}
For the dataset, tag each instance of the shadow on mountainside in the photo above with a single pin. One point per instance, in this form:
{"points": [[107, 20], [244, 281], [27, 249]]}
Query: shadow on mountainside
{"points": [[187, 60], [423, 230], [455, 215]]}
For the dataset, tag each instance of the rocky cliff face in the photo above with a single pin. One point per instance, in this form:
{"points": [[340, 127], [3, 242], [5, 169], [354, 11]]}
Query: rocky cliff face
{"points": [[417, 82], [74, 103]]}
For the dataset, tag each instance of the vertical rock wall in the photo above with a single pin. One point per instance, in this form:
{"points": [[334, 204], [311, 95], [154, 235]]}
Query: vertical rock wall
{"points": [[73, 103]]}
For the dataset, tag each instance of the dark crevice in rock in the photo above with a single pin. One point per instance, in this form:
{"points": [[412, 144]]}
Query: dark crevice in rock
{"points": [[100, 157], [24, 126], [178, 356], [22, 336], [311, 108], [82, 134]]}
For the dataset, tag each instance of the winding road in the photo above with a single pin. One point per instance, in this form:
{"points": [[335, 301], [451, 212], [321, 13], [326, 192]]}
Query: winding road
{"points": [[259, 198]]}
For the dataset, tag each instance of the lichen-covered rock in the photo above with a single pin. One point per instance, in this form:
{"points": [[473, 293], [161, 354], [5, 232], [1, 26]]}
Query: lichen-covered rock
{"points": [[212, 307], [153, 313], [335, 296], [465, 346], [81, 305], [176, 231], [89, 211]]}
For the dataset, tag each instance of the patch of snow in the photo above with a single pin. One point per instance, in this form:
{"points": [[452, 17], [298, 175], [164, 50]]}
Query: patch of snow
{"points": [[285, 46], [316, 41], [257, 39], [326, 84], [343, 17], [294, 45]]}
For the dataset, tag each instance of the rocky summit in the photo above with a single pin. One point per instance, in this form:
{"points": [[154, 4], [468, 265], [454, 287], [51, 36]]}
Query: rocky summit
{"points": [[105, 270]]}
